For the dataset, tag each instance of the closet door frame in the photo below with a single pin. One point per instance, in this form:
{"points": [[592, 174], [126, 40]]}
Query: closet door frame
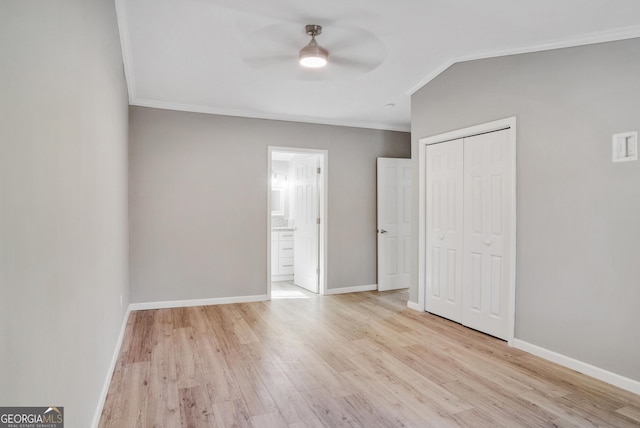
{"points": [[498, 125]]}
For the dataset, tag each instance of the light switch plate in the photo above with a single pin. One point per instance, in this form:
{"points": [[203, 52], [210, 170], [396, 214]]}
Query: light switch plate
{"points": [[625, 147]]}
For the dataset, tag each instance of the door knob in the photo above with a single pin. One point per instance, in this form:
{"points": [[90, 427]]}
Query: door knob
{"points": [[383, 231], [487, 243]]}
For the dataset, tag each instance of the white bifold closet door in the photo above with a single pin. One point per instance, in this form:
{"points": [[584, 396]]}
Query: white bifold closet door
{"points": [[444, 229], [469, 215]]}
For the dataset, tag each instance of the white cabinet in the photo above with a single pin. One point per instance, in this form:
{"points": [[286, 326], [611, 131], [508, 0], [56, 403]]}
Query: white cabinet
{"points": [[282, 255]]}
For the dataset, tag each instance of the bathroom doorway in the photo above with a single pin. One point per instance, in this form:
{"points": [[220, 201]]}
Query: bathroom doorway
{"points": [[297, 219]]}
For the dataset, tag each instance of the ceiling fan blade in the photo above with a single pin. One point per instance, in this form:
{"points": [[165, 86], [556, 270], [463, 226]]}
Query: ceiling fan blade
{"points": [[362, 65], [279, 36], [274, 44], [270, 61], [346, 38]]}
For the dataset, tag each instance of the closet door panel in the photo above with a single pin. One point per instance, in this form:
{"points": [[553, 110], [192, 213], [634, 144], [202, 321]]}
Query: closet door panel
{"points": [[444, 229], [487, 202]]}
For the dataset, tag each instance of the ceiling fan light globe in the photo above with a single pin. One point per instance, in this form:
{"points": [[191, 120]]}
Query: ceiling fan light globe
{"points": [[313, 62], [313, 56]]}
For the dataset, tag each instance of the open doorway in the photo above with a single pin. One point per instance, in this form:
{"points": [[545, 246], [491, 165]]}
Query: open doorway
{"points": [[297, 219]]}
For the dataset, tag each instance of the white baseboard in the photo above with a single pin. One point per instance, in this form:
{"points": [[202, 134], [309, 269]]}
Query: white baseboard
{"points": [[415, 306], [197, 302], [112, 367], [579, 366], [354, 289]]}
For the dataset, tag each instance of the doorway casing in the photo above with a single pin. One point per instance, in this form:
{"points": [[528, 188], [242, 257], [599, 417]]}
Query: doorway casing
{"points": [[323, 212]]}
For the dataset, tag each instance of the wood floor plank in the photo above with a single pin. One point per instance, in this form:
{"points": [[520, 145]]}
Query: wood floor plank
{"points": [[269, 420], [367, 414], [232, 413], [412, 386], [311, 423], [252, 388], [129, 335], [141, 342], [285, 396], [113, 405], [239, 326], [187, 359], [478, 419], [353, 360], [327, 409], [181, 317], [380, 395], [163, 326], [132, 398], [195, 409], [631, 412], [601, 410], [216, 375], [564, 411], [505, 410], [164, 396]]}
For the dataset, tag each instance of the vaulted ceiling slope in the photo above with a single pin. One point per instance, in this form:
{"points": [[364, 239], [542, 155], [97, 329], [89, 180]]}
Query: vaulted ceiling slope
{"points": [[239, 57]]}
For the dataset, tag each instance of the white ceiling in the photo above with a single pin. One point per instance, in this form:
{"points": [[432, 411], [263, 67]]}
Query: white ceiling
{"points": [[239, 57]]}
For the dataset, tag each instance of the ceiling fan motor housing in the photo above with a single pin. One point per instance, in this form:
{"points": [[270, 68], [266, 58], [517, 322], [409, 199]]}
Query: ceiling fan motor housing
{"points": [[313, 30]]}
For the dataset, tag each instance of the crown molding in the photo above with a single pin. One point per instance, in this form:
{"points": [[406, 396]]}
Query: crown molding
{"points": [[254, 115], [588, 39]]}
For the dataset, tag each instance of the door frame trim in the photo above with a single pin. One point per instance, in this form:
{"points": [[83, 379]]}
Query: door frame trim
{"points": [[497, 125], [324, 212]]}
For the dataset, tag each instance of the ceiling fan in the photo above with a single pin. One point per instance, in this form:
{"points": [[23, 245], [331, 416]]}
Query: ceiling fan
{"points": [[345, 51], [313, 55]]}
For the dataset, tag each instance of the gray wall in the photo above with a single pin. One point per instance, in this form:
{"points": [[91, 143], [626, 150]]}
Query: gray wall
{"points": [[578, 220], [63, 215], [198, 201]]}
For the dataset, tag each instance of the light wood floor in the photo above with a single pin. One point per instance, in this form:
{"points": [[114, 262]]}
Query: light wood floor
{"points": [[361, 360]]}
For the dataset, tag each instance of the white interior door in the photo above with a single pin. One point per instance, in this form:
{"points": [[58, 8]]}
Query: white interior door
{"points": [[488, 181], [444, 229], [394, 223], [306, 217]]}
